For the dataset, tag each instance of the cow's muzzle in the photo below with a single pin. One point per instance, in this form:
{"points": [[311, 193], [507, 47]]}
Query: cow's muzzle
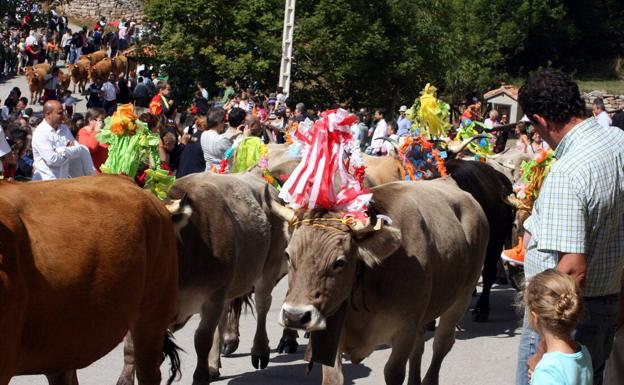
{"points": [[306, 317]]}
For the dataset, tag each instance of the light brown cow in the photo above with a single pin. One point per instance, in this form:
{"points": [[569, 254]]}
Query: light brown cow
{"points": [[357, 287], [82, 261], [64, 81], [80, 74], [101, 70], [95, 57], [34, 76], [120, 62], [232, 244]]}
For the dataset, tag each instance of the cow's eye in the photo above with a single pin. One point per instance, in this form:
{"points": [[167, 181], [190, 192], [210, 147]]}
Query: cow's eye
{"points": [[339, 263], [287, 257]]}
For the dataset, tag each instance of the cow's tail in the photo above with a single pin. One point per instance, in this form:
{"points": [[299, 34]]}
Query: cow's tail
{"points": [[237, 305], [172, 351]]}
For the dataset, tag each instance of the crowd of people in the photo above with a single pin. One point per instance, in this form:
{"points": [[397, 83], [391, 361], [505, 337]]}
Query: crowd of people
{"points": [[574, 243], [27, 42]]}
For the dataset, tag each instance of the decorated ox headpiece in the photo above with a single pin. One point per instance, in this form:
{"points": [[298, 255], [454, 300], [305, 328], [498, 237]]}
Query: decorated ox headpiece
{"points": [[326, 163]]}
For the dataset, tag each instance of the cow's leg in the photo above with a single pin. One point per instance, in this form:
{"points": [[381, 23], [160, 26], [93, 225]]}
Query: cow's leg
{"points": [[65, 378], [416, 358], [288, 343], [260, 351], [229, 327], [332, 375], [210, 316], [129, 369], [214, 358], [481, 311], [444, 337], [148, 341], [402, 346]]}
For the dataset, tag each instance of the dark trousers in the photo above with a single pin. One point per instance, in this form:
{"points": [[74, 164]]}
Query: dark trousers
{"points": [[110, 106]]}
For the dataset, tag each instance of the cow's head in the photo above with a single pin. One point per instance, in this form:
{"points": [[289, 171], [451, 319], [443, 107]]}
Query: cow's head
{"points": [[73, 69], [30, 72], [325, 256]]}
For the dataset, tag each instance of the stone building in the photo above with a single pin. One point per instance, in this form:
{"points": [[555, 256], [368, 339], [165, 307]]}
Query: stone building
{"points": [[111, 9]]}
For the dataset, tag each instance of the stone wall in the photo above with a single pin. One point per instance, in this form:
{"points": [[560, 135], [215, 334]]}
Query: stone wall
{"points": [[613, 103], [111, 9]]}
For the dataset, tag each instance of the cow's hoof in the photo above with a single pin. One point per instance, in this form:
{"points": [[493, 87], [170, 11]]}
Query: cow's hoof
{"points": [[480, 315], [260, 361], [123, 380], [229, 348], [203, 377], [306, 335], [430, 326], [287, 345]]}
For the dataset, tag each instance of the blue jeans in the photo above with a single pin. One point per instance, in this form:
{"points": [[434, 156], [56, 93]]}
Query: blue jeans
{"points": [[529, 340], [595, 330]]}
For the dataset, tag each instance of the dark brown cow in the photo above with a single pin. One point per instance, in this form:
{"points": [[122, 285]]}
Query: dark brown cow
{"points": [[357, 287], [82, 261]]}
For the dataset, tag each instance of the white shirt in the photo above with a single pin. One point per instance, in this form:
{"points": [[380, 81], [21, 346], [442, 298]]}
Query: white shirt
{"points": [[603, 119], [214, 147], [50, 152], [31, 40], [110, 91], [381, 131]]}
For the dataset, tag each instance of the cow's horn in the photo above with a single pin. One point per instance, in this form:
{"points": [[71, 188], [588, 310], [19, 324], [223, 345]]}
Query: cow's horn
{"points": [[458, 148], [283, 212], [360, 229], [180, 212]]}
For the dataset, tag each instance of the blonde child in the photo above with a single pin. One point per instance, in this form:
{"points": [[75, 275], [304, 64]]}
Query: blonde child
{"points": [[554, 305]]}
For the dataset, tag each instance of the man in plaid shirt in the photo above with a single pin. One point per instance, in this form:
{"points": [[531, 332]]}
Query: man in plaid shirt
{"points": [[577, 223]]}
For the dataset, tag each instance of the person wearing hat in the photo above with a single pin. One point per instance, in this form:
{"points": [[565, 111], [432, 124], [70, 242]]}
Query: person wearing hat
{"points": [[403, 124]]}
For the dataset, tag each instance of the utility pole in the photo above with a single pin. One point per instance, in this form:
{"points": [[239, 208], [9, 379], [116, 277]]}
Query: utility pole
{"points": [[287, 45]]}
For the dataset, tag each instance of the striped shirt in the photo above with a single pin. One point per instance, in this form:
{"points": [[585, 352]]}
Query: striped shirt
{"points": [[580, 208]]}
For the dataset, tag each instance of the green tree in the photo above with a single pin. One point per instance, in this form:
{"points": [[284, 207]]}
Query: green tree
{"points": [[358, 52], [209, 40]]}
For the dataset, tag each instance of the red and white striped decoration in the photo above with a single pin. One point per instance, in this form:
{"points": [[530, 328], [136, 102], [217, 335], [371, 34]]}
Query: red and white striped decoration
{"points": [[311, 185]]}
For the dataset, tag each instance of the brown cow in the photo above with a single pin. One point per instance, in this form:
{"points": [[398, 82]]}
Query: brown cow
{"points": [[120, 62], [80, 74], [232, 244], [34, 76], [101, 70], [77, 274], [371, 285], [95, 57], [64, 80]]}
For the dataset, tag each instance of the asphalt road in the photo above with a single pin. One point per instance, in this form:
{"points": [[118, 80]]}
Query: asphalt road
{"points": [[484, 353]]}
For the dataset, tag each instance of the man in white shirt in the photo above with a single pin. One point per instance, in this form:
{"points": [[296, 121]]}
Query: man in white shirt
{"points": [[600, 113], [109, 94], [53, 145], [381, 131]]}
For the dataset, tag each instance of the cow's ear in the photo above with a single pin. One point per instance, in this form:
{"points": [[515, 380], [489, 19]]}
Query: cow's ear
{"points": [[378, 245]]}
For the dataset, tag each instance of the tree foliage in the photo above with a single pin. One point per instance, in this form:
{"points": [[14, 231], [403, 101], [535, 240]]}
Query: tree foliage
{"points": [[382, 53], [209, 40]]}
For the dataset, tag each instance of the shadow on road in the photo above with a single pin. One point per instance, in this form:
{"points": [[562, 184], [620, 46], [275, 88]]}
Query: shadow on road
{"points": [[289, 374]]}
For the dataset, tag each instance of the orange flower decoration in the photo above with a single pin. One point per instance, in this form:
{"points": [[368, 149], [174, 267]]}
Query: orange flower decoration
{"points": [[122, 121]]}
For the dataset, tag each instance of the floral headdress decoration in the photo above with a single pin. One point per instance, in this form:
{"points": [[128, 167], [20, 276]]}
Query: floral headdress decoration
{"points": [[131, 144]]}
